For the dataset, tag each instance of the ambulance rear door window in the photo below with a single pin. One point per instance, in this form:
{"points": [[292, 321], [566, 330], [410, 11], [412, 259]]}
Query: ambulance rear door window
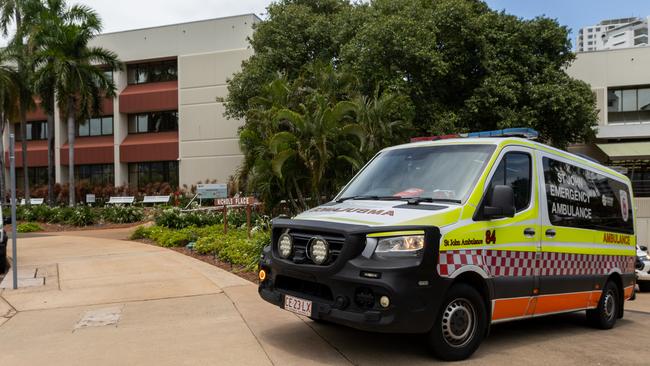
{"points": [[582, 198]]}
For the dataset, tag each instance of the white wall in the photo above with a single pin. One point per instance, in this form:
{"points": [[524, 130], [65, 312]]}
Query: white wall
{"points": [[208, 141]]}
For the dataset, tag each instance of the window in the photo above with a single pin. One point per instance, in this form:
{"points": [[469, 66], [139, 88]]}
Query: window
{"points": [[153, 122], [37, 177], [98, 126], [142, 174], [582, 198], [437, 172], [152, 72], [95, 174], [34, 131], [628, 105], [514, 171], [597, 29]]}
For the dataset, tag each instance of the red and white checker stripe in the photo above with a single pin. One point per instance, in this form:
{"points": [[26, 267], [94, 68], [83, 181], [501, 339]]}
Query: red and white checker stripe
{"points": [[505, 263]]}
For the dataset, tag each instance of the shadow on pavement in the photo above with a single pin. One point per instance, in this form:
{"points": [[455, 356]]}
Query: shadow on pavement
{"points": [[376, 348]]}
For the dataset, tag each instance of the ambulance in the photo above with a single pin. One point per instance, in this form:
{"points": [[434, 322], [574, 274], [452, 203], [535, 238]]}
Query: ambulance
{"points": [[449, 237]]}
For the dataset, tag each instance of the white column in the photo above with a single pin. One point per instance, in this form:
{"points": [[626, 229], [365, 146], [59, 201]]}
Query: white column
{"points": [[120, 130], [60, 138]]}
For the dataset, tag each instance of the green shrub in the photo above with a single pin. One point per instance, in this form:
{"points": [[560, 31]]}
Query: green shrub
{"points": [[28, 227], [176, 219], [80, 216], [140, 232], [122, 214]]}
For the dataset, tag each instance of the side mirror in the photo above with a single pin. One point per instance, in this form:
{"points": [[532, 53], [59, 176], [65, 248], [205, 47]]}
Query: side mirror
{"points": [[502, 203]]}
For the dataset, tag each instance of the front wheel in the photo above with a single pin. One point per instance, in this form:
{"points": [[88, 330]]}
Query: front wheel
{"points": [[604, 316], [644, 286], [460, 324]]}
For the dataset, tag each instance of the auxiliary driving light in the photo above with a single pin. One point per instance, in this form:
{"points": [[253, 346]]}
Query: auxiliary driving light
{"points": [[384, 301], [285, 245], [319, 250]]}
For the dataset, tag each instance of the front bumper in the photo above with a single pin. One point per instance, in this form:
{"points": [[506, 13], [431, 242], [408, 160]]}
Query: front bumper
{"points": [[643, 273], [344, 294]]}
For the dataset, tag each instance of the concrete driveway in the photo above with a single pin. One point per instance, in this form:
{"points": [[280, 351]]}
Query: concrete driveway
{"points": [[95, 299]]}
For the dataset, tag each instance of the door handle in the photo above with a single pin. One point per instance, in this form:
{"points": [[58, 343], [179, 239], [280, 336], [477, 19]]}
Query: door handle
{"points": [[529, 232], [550, 233]]}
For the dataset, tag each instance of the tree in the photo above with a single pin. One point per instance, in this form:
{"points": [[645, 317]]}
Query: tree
{"points": [[12, 13], [297, 134], [41, 18], [8, 109], [461, 66], [74, 71]]}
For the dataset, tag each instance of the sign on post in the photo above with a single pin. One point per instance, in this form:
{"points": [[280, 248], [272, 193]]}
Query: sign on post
{"points": [[207, 191], [236, 201], [90, 198]]}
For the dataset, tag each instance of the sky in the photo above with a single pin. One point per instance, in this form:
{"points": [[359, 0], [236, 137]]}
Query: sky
{"points": [[120, 15]]}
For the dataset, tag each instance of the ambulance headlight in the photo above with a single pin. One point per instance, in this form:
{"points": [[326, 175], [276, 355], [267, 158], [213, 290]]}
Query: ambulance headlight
{"points": [[408, 245], [285, 245]]}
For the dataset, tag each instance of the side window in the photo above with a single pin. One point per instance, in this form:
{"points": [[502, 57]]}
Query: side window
{"points": [[585, 199], [514, 171]]}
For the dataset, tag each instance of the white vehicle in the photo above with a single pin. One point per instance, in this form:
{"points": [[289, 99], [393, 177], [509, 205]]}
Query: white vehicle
{"points": [[643, 268]]}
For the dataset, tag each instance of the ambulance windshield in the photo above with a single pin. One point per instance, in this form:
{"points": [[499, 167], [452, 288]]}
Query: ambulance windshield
{"points": [[446, 172]]}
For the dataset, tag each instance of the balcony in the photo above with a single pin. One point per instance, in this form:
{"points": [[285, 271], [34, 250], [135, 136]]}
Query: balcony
{"points": [[149, 97], [156, 146], [90, 150]]}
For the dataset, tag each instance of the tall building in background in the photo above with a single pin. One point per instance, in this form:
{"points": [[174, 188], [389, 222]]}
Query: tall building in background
{"points": [[166, 123], [613, 34]]}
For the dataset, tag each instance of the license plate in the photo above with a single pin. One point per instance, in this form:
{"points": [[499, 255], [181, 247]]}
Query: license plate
{"points": [[296, 305]]}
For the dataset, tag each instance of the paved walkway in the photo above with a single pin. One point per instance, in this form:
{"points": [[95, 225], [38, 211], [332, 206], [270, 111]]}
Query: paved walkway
{"points": [[108, 301]]}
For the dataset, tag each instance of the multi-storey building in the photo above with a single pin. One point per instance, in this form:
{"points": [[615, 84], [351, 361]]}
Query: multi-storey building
{"points": [[166, 123], [613, 34], [620, 80]]}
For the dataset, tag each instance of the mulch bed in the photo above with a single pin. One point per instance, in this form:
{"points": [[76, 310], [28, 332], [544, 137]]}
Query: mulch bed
{"points": [[47, 227], [211, 259]]}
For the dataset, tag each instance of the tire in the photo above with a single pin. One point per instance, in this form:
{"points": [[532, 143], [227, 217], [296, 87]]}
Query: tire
{"points": [[460, 325], [605, 315], [644, 286]]}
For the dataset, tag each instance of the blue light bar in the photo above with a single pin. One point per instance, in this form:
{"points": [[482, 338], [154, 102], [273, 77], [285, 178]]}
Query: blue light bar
{"points": [[527, 133]]}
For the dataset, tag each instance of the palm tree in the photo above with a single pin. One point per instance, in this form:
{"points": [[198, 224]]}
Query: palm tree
{"points": [[12, 13], [74, 71], [8, 110], [316, 137], [41, 18]]}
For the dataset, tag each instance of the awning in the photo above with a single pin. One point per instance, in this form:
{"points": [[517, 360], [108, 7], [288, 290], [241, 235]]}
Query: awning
{"points": [[156, 146], [627, 150], [149, 97], [90, 150]]}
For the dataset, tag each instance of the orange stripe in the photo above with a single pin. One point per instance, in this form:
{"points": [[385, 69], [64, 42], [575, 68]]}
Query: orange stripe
{"points": [[564, 302], [510, 308], [628, 292], [546, 304]]}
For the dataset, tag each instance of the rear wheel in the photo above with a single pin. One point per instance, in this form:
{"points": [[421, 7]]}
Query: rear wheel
{"points": [[460, 325], [605, 315]]}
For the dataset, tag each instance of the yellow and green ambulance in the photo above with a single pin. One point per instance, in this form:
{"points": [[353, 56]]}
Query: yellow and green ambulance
{"points": [[448, 237]]}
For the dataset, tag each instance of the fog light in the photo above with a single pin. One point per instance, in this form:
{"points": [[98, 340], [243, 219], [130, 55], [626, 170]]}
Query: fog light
{"points": [[285, 245], [319, 250], [262, 275], [384, 301]]}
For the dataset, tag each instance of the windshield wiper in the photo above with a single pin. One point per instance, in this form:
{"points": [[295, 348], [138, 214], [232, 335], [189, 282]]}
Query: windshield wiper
{"points": [[368, 197], [417, 200]]}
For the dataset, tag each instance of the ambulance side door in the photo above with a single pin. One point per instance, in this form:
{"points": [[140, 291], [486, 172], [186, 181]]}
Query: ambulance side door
{"points": [[513, 242]]}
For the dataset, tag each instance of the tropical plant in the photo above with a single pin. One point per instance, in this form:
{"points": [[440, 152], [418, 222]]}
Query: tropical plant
{"points": [[70, 68], [12, 12], [8, 110]]}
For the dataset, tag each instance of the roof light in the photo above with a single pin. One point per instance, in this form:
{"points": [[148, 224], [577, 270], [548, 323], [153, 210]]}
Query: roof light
{"points": [[523, 132]]}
